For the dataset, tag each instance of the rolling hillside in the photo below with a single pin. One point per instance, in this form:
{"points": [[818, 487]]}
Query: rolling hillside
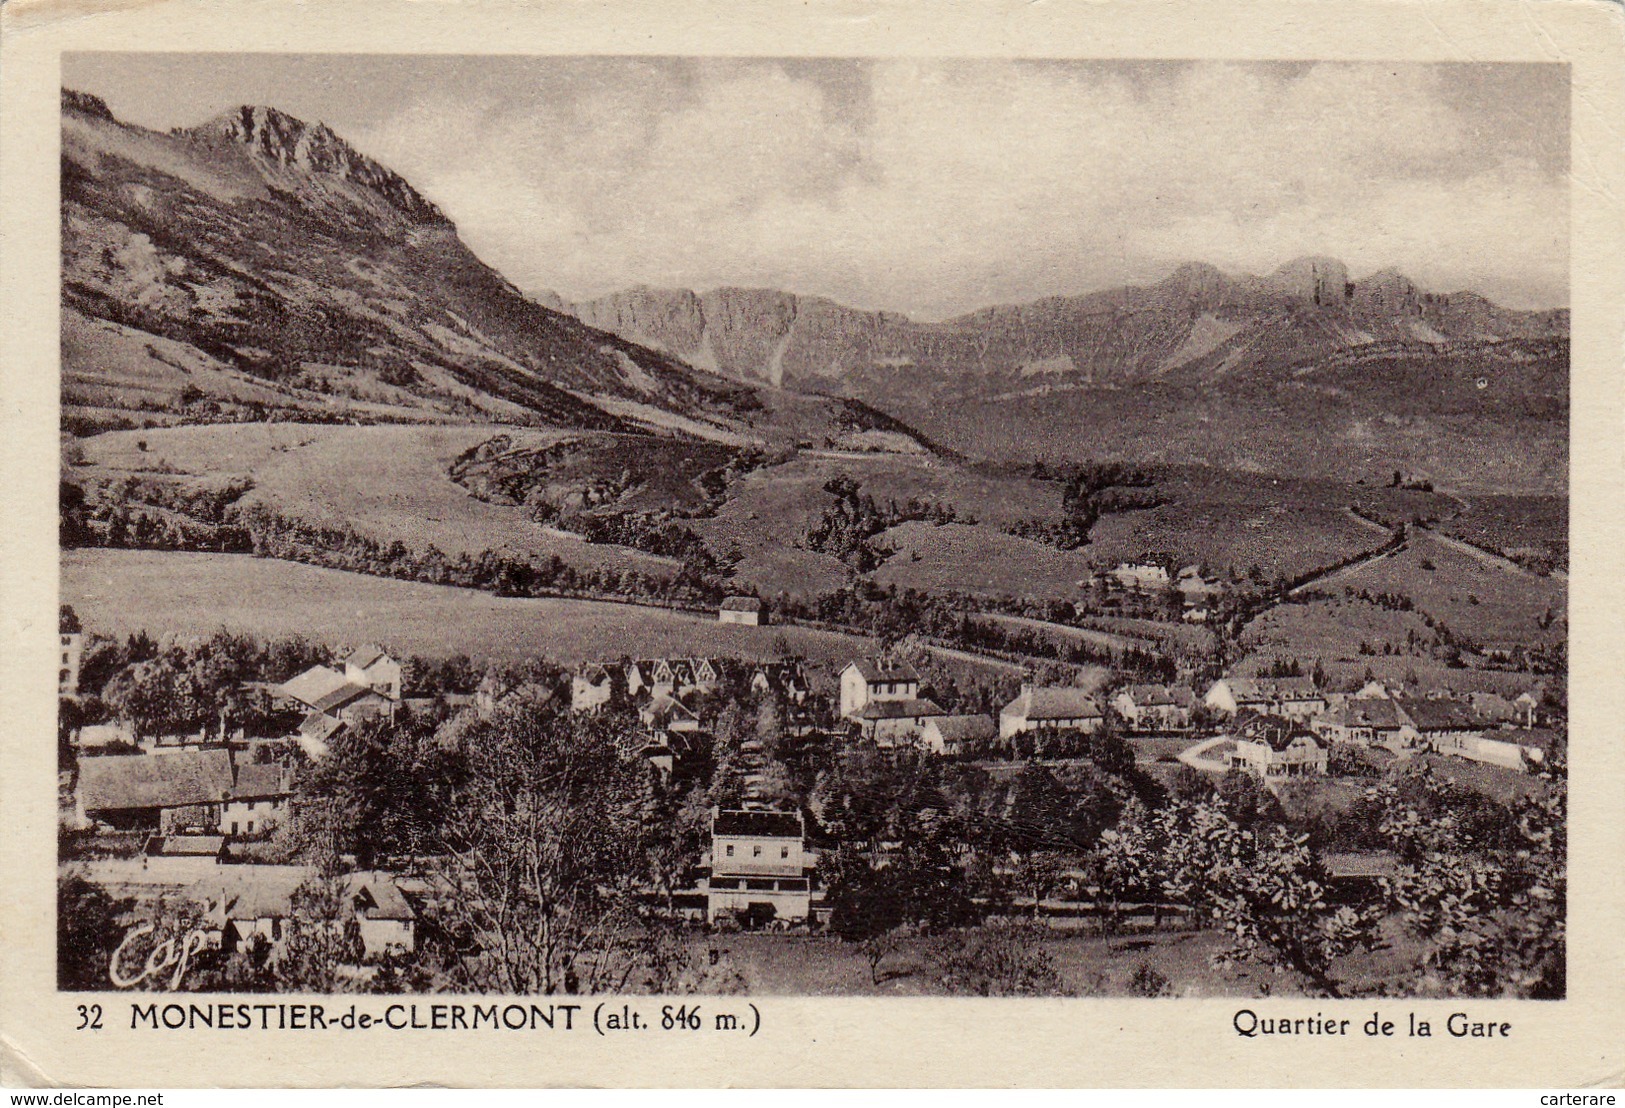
{"points": [[258, 262], [1259, 373]]}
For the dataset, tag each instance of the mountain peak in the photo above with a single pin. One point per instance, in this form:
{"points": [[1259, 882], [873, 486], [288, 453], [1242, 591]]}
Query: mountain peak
{"points": [[315, 148], [86, 104], [1320, 280]]}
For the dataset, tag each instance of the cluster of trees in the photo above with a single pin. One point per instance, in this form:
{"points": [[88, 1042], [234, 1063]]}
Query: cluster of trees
{"points": [[1089, 491], [845, 529], [205, 685]]}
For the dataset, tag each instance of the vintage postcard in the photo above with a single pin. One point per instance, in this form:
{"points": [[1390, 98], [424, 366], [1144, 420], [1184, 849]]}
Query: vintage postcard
{"points": [[855, 544]]}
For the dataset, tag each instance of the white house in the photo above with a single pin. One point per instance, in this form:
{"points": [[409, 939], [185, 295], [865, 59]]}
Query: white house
{"points": [[758, 866], [590, 687], [896, 722], [372, 669], [1440, 724], [257, 801], [746, 610], [1155, 707], [1293, 697], [251, 901], [1274, 747], [1040, 708], [876, 679]]}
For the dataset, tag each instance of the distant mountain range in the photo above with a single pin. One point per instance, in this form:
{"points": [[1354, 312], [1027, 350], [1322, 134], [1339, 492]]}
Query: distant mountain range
{"points": [[258, 264], [1198, 325]]}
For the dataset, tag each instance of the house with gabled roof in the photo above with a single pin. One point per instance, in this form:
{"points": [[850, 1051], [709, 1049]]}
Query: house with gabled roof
{"points": [[373, 669], [870, 679], [1155, 707], [1049, 708], [1274, 747], [167, 791], [759, 866], [258, 800], [784, 680], [1437, 724], [1293, 697], [956, 735], [590, 687], [1367, 722], [249, 902], [745, 610], [896, 722]]}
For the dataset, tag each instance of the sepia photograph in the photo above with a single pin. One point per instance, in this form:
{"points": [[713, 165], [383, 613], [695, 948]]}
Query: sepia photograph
{"points": [[813, 527]]}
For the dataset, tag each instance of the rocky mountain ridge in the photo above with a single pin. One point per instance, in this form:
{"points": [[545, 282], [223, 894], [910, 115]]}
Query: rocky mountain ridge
{"points": [[1198, 324]]}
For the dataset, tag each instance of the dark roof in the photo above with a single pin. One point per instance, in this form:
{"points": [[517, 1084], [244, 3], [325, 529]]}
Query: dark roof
{"points": [[778, 825], [911, 708], [137, 781], [1541, 738], [1438, 715], [1369, 713], [339, 697], [1275, 731], [884, 669], [741, 604], [266, 779]]}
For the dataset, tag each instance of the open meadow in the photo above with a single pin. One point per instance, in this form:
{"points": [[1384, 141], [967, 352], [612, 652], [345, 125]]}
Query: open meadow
{"points": [[167, 593]]}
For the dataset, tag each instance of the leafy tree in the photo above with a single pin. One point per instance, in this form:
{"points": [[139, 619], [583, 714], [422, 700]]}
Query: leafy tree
{"points": [[87, 932]]}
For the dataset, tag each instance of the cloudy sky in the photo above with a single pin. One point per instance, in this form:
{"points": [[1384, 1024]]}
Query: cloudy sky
{"points": [[931, 187]]}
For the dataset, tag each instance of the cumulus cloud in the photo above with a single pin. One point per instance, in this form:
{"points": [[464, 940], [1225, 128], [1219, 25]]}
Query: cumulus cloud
{"points": [[935, 187]]}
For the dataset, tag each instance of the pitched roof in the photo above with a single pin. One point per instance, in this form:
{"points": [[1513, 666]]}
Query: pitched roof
{"points": [[365, 656], [262, 780], [375, 894], [780, 825], [252, 892], [135, 781], [314, 684], [965, 728], [1437, 715], [1275, 731], [266, 892], [319, 725], [1368, 713], [873, 669], [1149, 696], [1541, 738], [1272, 688], [741, 604], [1043, 702], [912, 708], [339, 697]]}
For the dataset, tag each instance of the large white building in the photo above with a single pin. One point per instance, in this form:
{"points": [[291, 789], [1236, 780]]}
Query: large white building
{"points": [[758, 866]]}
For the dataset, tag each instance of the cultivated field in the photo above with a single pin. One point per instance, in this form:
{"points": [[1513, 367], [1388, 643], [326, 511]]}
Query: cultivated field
{"points": [[122, 591], [387, 482], [1471, 595]]}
